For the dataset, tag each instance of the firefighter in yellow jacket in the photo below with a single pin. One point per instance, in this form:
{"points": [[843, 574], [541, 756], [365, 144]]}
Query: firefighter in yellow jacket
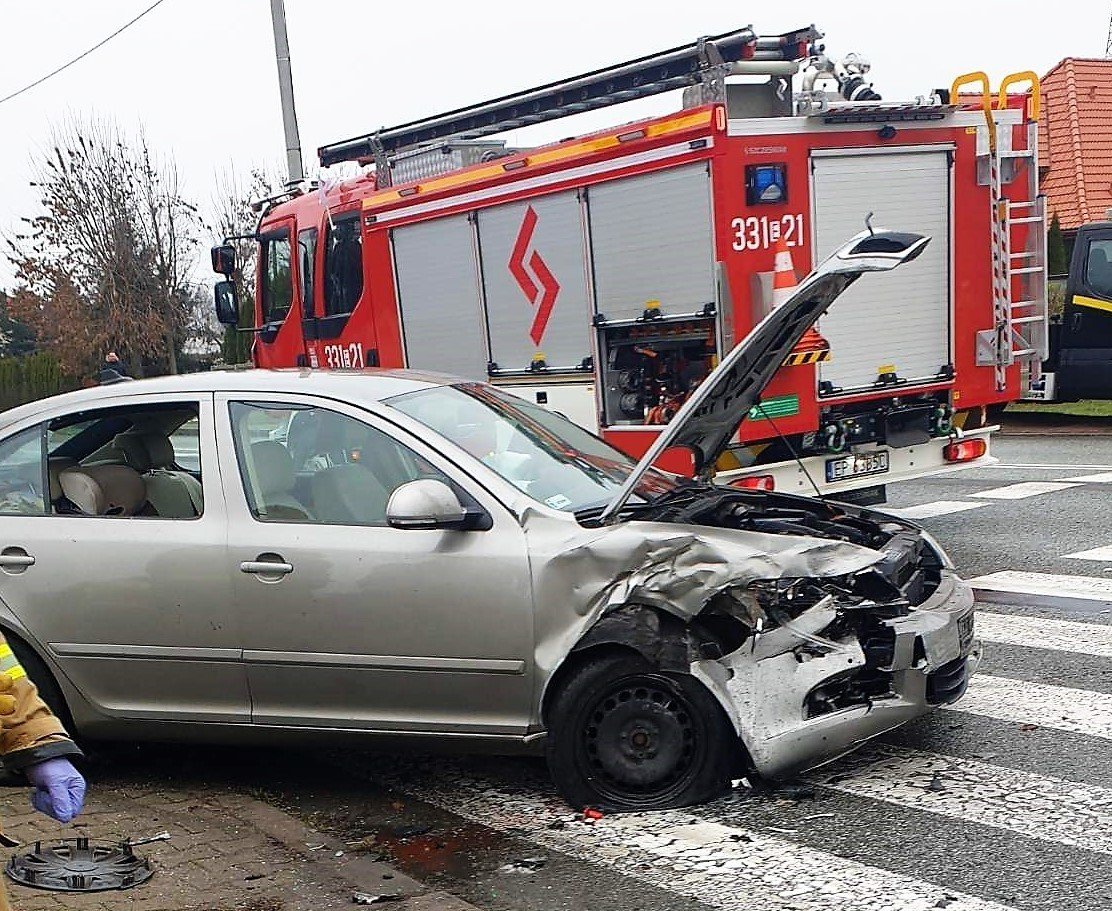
{"points": [[34, 743]]}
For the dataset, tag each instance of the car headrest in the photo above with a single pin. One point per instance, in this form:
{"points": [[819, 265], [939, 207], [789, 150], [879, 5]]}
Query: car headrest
{"points": [[55, 465], [134, 451], [159, 449], [273, 469], [104, 490]]}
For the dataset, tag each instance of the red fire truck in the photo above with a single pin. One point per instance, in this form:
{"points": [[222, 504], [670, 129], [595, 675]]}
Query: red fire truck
{"points": [[604, 276]]}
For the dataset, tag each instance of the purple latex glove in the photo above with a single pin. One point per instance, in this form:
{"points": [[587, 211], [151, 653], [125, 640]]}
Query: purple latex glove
{"points": [[59, 788]]}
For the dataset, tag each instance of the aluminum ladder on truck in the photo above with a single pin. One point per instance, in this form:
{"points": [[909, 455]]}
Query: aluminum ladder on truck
{"points": [[705, 63], [1020, 331]]}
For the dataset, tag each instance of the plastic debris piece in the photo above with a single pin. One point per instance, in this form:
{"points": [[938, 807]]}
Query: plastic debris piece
{"points": [[525, 865], [77, 865], [161, 836], [366, 898], [590, 813]]}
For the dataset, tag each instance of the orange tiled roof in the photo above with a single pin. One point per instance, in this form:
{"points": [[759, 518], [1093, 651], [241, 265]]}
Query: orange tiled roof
{"points": [[1075, 140]]}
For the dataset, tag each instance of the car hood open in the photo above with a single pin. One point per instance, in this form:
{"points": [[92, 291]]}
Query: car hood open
{"points": [[710, 417]]}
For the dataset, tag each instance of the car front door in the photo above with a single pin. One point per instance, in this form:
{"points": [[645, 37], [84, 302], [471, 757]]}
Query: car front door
{"points": [[347, 622], [132, 607]]}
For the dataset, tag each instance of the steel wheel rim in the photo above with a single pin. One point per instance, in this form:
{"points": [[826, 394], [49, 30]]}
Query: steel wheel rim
{"points": [[641, 742]]}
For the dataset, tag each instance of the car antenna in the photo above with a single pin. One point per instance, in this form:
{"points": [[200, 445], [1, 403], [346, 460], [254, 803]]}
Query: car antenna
{"points": [[791, 449], [869, 224]]}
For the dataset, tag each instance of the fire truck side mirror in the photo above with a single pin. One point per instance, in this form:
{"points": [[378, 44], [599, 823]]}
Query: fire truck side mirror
{"points": [[227, 303], [224, 259]]}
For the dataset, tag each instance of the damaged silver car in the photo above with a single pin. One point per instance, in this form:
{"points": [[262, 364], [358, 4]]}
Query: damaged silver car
{"points": [[261, 554]]}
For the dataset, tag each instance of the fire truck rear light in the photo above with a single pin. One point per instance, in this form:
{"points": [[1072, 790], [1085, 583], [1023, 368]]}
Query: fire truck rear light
{"points": [[965, 451], [515, 165], [755, 482], [630, 136]]}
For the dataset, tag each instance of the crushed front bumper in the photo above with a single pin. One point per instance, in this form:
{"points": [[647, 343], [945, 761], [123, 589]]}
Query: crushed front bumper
{"points": [[765, 688]]}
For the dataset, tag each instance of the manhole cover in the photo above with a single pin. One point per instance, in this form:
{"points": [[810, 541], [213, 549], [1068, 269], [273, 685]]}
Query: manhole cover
{"points": [[75, 865]]}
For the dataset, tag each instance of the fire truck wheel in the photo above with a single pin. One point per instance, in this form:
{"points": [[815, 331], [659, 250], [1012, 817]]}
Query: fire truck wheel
{"points": [[624, 736]]}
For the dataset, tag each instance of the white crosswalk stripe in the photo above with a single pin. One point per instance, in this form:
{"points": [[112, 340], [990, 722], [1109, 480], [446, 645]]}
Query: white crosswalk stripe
{"points": [[723, 866], [938, 508], [1041, 632], [1034, 806], [1104, 477], [1023, 490], [1103, 554], [1059, 708]]}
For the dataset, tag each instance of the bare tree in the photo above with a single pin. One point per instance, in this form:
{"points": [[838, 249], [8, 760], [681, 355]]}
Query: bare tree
{"points": [[104, 265]]}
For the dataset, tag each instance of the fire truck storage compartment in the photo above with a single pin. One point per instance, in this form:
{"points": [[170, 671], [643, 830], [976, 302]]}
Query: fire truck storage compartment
{"points": [[652, 258], [437, 281], [535, 283], [651, 365], [900, 319]]}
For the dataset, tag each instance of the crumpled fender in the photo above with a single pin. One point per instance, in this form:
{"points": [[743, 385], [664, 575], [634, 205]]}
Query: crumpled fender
{"points": [[582, 574]]}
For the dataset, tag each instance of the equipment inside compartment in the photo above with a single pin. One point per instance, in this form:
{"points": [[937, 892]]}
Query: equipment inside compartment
{"points": [[650, 366]]}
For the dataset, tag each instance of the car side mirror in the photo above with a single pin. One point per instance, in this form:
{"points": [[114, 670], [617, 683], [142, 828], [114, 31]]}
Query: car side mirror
{"points": [[426, 503], [227, 303], [224, 259]]}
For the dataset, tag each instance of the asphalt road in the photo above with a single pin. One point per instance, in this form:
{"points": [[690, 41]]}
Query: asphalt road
{"points": [[1001, 802]]}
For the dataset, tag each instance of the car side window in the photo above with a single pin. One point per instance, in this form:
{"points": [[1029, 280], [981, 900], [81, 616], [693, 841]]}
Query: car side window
{"points": [[132, 461], [304, 464], [1098, 267], [21, 474], [277, 277], [343, 266]]}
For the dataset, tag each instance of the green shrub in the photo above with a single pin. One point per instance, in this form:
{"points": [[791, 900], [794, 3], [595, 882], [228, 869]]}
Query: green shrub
{"points": [[31, 377]]}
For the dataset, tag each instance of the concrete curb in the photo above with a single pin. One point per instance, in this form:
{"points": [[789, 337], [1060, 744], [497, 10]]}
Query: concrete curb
{"points": [[331, 857]]}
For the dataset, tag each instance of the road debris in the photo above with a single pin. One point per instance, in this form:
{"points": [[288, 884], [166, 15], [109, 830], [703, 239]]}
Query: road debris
{"points": [[150, 839], [366, 898], [525, 865]]}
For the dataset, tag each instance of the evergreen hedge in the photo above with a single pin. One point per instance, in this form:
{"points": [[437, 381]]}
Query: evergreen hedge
{"points": [[31, 377]]}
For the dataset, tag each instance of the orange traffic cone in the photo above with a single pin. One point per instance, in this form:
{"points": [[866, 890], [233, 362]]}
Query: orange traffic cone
{"points": [[784, 281], [812, 348]]}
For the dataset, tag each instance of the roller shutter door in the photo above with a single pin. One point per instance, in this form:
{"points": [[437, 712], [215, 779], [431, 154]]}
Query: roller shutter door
{"points": [[902, 317], [652, 239], [437, 276], [535, 282]]}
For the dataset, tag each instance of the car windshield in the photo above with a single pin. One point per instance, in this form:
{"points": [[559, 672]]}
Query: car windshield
{"points": [[541, 453]]}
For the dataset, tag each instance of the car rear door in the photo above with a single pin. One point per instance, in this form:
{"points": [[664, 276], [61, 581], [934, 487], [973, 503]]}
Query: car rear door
{"points": [[359, 625], [132, 610]]}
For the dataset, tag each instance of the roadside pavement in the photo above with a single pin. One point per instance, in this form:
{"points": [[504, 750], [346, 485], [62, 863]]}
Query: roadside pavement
{"points": [[227, 851]]}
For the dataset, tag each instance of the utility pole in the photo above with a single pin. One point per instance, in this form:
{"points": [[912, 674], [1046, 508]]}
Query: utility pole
{"points": [[285, 90]]}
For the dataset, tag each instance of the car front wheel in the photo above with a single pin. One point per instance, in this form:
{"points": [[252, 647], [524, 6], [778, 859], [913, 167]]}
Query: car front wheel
{"points": [[624, 736]]}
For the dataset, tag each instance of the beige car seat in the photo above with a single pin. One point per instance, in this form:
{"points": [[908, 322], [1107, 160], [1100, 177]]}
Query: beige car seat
{"points": [[55, 465], [349, 495], [172, 493], [274, 482], [104, 490]]}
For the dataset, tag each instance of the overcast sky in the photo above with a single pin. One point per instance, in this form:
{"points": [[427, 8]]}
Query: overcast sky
{"points": [[199, 75]]}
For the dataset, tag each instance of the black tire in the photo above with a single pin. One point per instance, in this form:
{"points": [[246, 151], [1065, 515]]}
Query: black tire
{"points": [[44, 681], [623, 736]]}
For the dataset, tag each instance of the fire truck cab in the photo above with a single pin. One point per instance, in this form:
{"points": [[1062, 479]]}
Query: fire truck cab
{"points": [[604, 276]]}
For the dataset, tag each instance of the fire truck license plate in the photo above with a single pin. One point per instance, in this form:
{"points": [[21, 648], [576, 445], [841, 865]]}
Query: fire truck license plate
{"points": [[854, 466]]}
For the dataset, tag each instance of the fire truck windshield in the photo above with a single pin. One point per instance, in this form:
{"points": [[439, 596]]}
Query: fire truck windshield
{"points": [[538, 451]]}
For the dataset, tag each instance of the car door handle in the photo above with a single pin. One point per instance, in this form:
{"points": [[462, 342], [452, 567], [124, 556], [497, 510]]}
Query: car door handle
{"points": [[16, 558], [265, 568]]}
